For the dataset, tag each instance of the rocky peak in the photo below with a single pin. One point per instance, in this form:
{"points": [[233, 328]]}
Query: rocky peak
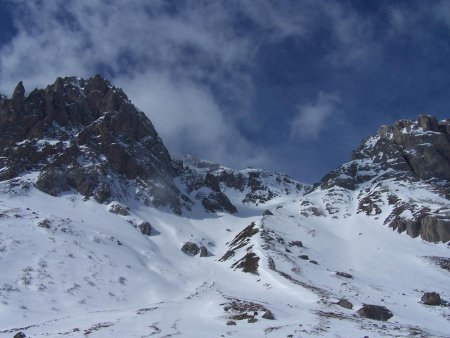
{"points": [[406, 156], [407, 149], [19, 91], [85, 135]]}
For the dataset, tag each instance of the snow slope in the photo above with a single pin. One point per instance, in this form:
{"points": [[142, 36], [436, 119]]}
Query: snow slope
{"points": [[72, 268]]}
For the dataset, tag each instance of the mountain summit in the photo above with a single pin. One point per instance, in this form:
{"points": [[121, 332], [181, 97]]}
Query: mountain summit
{"points": [[86, 135], [103, 233], [394, 169]]}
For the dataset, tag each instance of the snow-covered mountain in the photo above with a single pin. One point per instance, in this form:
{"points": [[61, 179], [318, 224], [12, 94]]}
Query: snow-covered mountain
{"points": [[104, 234]]}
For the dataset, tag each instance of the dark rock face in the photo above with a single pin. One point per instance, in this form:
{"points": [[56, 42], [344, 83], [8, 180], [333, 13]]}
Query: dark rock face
{"points": [[268, 315], [435, 228], [345, 304], [87, 136], [375, 312], [267, 213], [190, 249], [296, 243], [119, 210], [145, 228], [239, 241], [344, 274], [218, 202], [413, 152], [431, 298], [203, 251], [197, 175], [19, 335], [414, 149], [432, 227], [248, 263]]}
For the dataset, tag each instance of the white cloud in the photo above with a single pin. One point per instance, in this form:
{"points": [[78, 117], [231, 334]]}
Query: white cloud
{"points": [[190, 121], [172, 62], [311, 118], [166, 62]]}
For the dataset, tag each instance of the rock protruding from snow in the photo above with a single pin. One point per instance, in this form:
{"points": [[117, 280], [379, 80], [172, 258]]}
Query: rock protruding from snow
{"points": [[19, 335], [345, 304], [215, 185], [193, 249], [344, 274], [145, 228], [431, 298], [414, 149], [412, 155], [190, 248], [375, 312]]}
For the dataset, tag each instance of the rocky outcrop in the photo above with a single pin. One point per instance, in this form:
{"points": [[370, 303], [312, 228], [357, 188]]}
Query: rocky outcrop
{"points": [[431, 298], [193, 249], [145, 228], [344, 274], [211, 184], [190, 249], [345, 304], [431, 226], [85, 135], [415, 153], [375, 312], [409, 149]]}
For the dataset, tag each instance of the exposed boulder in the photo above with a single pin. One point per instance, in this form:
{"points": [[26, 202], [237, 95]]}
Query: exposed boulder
{"points": [[145, 228], [119, 209], [375, 312], [431, 298], [268, 315], [344, 274], [296, 243], [203, 251], [190, 248], [345, 304], [19, 335]]}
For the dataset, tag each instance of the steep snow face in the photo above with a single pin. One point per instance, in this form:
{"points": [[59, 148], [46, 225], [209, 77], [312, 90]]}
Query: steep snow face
{"points": [[75, 267]]}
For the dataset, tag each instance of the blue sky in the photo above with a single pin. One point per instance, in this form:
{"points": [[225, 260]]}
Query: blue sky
{"points": [[291, 86]]}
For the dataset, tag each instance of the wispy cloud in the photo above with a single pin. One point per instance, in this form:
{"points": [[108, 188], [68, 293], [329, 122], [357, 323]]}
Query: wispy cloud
{"points": [[312, 117], [189, 65]]}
